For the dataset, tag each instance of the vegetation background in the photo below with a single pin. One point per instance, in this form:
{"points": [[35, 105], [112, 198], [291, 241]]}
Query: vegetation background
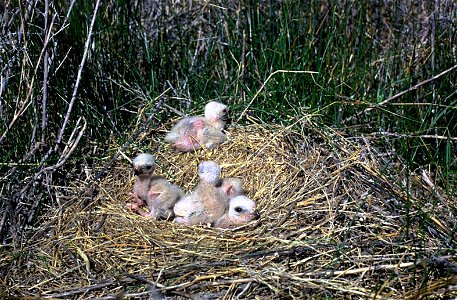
{"points": [[77, 75]]}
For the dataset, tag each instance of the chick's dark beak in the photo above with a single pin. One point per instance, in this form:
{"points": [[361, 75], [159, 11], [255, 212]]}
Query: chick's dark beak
{"points": [[136, 172], [227, 120], [256, 215]]}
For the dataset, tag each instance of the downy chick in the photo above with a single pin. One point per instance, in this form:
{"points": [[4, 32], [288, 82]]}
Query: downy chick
{"points": [[241, 211], [206, 203], [158, 194], [191, 133]]}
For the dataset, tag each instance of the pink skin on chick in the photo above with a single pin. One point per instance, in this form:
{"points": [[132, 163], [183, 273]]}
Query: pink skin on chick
{"points": [[192, 133], [231, 187], [143, 166], [155, 192], [241, 211]]}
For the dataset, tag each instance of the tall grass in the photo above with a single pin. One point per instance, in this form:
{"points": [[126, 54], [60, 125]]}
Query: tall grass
{"points": [[364, 53]]}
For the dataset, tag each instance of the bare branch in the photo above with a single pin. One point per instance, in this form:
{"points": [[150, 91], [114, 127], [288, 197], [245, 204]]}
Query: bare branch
{"points": [[45, 74], [26, 102], [68, 150], [78, 79], [424, 136], [414, 87]]}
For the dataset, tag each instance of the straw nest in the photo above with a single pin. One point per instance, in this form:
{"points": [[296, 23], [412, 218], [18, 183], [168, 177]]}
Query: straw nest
{"points": [[336, 221]]}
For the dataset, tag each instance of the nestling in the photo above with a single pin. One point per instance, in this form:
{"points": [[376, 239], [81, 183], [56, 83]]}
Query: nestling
{"points": [[192, 133], [241, 210], [207, 203], [219, 202], [158, 194]]}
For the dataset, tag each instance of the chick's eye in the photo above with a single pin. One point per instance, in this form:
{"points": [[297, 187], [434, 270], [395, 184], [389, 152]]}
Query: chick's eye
{"points": [[238, 209], [148, 167]]}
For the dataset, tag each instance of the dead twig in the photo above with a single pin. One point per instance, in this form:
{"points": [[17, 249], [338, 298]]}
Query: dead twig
{"points": [[414, 87], [78, 78], [67, 151], [423, 136]]}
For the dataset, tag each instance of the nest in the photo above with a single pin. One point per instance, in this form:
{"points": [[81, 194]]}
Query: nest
{"points": [[338, 220]]}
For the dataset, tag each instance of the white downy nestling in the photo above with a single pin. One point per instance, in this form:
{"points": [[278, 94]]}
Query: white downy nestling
{"points": [[206, 203], [157, 193], [192, 133], [219, 202], [241, 211]]}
